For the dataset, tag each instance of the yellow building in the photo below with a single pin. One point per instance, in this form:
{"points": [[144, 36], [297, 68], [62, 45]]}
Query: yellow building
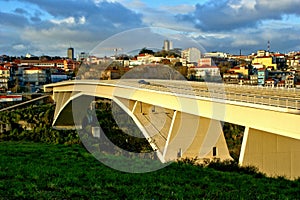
{"points": [[244, 70], [266, 61]]}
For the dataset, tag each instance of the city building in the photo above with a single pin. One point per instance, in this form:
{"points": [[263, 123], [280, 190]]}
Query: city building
{"points": [[4, 78], [57, 63], [206, 61], [70, 53], [216, 55], [262, 75], [293, 61], [192, 55], [265, 61], [244, 70], [35, 76], [261, 53], [253, 79], [204, 71], [289, 81], [270, 82], [168, 45], [145, 58], [82, 56], [280, 61], [58, 76], [232, 78]]}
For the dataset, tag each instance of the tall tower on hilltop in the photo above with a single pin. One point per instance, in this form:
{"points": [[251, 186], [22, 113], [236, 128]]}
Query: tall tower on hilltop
{"points": [[168, 45], [70, 53]]}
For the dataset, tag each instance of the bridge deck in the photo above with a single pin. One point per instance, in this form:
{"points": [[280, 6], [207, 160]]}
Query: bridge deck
{"points": [[276, 97]]}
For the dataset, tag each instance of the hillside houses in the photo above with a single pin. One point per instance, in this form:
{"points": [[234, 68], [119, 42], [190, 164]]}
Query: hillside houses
{"points": [[262, 68], [28, 74]]}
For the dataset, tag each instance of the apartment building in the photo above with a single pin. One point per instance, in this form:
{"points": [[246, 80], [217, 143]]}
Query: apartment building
{"points": [[35, 76], [4, 78]]}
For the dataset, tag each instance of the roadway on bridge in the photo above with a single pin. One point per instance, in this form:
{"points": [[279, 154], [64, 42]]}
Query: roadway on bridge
{"points": [[278, 97], [288, 98]]}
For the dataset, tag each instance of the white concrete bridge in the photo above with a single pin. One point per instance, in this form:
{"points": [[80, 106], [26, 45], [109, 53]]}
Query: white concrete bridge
{"points": [[181, 118]]}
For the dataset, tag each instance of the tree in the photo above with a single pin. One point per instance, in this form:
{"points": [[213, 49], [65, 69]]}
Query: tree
{"points": [[145, 50], [183, 70], [165, 61]]}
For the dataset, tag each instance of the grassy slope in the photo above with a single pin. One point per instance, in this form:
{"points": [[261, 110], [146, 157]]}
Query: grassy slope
{"points": [[44, 171]]}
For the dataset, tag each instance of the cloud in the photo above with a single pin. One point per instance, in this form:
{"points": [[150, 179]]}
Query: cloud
{"points": [[179, 9], [235, 14], [82, 20], [19, 47], [55, 40], [21, 11], [49, 27], [244, 42], [108, 11], [54, 25], [12, 20], [69, 20]]}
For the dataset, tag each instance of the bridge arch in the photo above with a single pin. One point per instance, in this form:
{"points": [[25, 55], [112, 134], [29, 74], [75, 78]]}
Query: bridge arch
{"points": [[181, 135]]}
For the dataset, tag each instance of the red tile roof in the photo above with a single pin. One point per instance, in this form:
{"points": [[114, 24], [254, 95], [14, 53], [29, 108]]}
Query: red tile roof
{"points": [[10, 96], [3, 68], [205, 66], [33, 68]]}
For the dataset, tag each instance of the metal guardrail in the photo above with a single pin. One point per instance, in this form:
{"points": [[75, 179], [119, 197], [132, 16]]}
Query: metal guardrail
{"points": [[276, 97]]}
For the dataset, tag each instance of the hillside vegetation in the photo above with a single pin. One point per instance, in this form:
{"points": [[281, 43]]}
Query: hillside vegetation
{"points": [[47, 171]]}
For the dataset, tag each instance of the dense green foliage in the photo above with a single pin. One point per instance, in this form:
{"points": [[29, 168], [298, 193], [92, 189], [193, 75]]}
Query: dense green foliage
{"points": [[233, 134], [145, 50], [120, 129], [47, 171], [33, 123]]}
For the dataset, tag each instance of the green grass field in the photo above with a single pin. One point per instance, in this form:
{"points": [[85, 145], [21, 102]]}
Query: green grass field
{"points": [[47, 171]]}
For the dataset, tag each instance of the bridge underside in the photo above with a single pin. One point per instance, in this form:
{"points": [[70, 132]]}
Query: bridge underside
{"points": [[176, 134], [172, 134]]}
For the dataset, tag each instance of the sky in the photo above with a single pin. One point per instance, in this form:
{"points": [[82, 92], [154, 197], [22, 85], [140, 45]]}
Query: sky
{"points": [[49, 27]]}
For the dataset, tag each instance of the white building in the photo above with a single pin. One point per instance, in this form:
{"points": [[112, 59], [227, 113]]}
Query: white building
{"points": [[168, 45], [82, 56], [216, 54], [35, 75], [204, 71], [191, 54], [261, 53]]}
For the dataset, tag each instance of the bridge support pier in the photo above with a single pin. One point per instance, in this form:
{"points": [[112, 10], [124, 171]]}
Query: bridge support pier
{"points": [[272, 154], [196, 137], [175, 134]]}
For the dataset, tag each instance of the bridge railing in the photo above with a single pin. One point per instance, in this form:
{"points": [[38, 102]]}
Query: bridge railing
{"points": [[277, 97]]}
